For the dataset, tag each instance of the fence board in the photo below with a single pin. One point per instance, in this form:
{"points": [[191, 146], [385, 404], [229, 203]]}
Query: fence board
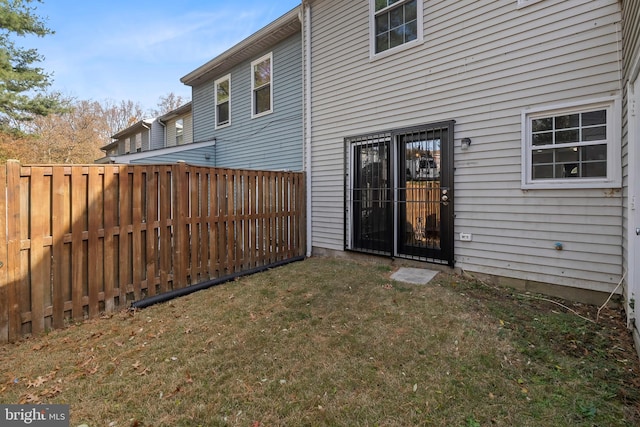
{"points": [[38, 276], [4, 277], [110, 210], [79, 240], [95, 206], [78, 209]]}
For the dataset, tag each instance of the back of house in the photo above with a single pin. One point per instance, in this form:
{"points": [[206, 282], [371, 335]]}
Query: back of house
{"points": [[518, 103]]}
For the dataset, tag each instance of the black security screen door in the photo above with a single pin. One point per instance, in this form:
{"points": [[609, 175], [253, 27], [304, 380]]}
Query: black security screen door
{"points": [[400, 193], [372, 196]]}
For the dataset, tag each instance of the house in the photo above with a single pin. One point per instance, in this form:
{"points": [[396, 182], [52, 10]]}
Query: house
{"points": [[517, 107], [631, 161], [165, 139], [248, 100]]}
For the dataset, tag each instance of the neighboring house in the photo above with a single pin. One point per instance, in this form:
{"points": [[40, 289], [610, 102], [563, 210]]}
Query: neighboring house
{"points": [[249, 99], [631, 161], [165, 139], [481, 135]]}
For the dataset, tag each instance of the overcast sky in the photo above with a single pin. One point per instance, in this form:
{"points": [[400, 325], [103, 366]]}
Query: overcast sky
{"points": [[139, 49]]}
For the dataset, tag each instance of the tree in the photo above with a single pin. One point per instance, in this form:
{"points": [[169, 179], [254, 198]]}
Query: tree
{"points": [[22, 83], [120, 115], [167, 103], [74, 136]]}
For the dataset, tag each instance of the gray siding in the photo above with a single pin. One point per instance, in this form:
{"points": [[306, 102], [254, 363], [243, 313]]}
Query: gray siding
{"points": [[481, 64], [197, 156], [273, 141], [157, 136]]}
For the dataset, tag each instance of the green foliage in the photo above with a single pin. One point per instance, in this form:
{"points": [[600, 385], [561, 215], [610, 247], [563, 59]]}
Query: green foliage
{"points": [[22, 81]]}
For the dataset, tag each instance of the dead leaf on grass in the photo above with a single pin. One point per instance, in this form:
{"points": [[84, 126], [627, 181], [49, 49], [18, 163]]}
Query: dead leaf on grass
{"points": [[37, 382], [29, 398]]}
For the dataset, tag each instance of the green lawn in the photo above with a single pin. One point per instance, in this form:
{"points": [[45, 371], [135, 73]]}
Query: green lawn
{"points": [[336, 343]]}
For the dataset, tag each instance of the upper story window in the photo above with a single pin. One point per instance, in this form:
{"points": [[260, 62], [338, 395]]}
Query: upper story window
{"points": [[262, 85], [395, 23], [138, 142], [179, 131], [223, 99], [573, 147]]}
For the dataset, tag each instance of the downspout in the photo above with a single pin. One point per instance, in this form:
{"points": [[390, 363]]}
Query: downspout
{"points": [[307, 114]]}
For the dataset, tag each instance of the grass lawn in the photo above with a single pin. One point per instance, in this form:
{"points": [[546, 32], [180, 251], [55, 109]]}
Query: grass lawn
{"points": [[338, 343]]}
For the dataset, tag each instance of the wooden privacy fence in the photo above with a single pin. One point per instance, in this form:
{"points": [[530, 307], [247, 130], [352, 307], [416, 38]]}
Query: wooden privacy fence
{"points": [[77, 241]]}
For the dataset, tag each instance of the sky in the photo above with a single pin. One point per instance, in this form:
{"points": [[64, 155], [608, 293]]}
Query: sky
{"points": [[139, 49]]}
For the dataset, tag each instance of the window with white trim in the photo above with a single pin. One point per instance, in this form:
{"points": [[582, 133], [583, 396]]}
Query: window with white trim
{"points": [[262, 85], [179, 131], [572, 147], [395, 23], [223, 101]]}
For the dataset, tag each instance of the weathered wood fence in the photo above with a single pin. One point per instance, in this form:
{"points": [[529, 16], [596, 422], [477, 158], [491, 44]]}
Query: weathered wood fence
{"points": [[78, 241]]}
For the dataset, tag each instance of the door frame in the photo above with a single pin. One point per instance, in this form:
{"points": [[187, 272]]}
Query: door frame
{"points": [[445, 255]]}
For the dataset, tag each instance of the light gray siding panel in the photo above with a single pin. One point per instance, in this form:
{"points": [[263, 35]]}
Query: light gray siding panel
{"points": [[481, 64], [157, 136], [196, 156], [272, 141], [203, 112]]}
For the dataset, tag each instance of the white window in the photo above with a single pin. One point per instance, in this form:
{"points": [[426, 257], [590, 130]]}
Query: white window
{"points": [[223, 101], [262, 86], [572, 146], [395, 23], [179, 131], [138, 142]]}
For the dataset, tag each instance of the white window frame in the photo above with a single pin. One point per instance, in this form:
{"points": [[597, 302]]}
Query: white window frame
{"points": [[179, 129], [268, 56], [614, 169], [217, 82], [407, 45]]}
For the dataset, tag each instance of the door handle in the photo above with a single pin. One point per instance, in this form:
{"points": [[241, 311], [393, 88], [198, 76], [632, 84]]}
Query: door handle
{"points": [[637, 231]]}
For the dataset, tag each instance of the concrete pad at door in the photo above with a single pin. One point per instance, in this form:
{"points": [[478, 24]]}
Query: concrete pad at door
{"points": [[419, 276]]}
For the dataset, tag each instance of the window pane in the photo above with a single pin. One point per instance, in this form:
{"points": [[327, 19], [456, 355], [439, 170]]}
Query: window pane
{"points": [[538, 125], [594, 134], [542, 138], [222, 91], [223, 113], [542, 156], [594, 118], [594, 170], [542, 172], [565, 136], [410, 11], [568, 121], [380, 4], [382, 24], [568, 170], [396, 37], [262, 73], [594, 152], [396, 17], [411, 31], [263, 100], [567, 155], [382, 42]]}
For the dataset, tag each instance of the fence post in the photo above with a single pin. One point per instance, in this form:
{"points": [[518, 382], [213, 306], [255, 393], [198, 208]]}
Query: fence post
{"points": [[181, 196], [13, 249]]}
